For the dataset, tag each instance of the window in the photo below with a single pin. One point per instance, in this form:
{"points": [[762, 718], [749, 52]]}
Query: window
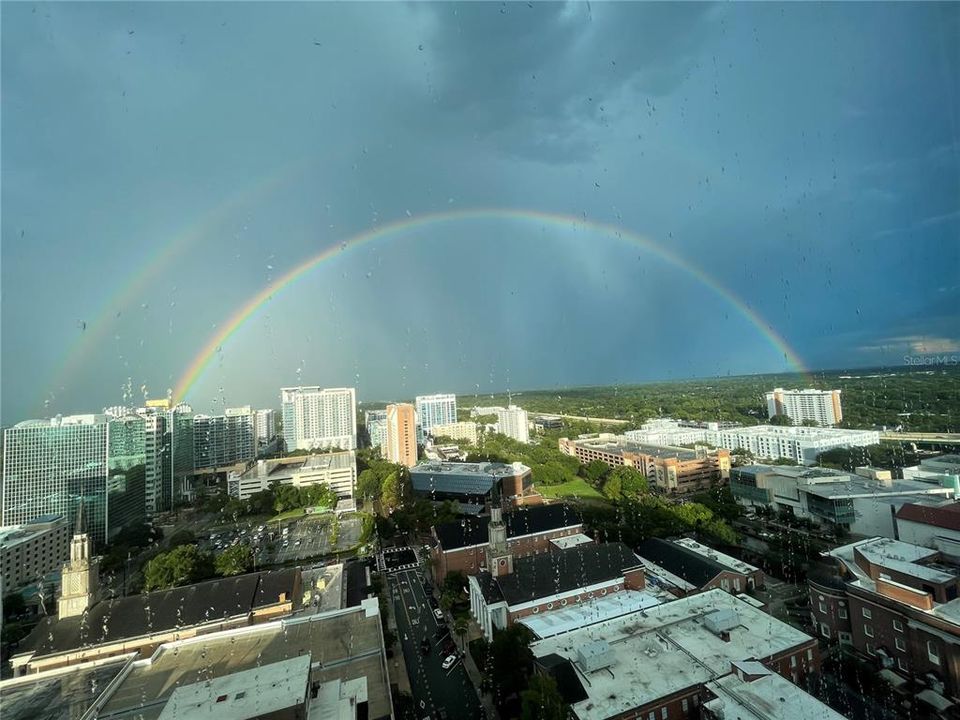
{"points": [[842, 612], [793, 661], [898, 626], [684, 705], [901, 645], [902, 664], [652, 715], [933, 652], [867, 614], [870, 650], [868, 631], [823, 608], [810, 654], [663, 713]]}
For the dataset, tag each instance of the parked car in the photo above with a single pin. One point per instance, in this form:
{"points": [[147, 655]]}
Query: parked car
{"points": [[449, 662], [438, 613]]}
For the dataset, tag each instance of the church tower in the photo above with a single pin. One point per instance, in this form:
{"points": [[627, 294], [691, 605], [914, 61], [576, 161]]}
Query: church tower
{"points": [[81, 576], [499, 558]]}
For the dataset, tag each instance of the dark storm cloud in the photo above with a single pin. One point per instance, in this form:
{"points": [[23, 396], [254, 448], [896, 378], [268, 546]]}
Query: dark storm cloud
{"points": [[536, 79]]}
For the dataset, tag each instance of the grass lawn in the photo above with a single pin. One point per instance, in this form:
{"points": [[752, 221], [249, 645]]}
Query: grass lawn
{"points": [[289, 515], [578, 487]]}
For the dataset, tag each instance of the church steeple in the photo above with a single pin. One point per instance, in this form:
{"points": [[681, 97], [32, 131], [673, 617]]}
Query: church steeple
{"points": [[81, 576], [499, 558]]}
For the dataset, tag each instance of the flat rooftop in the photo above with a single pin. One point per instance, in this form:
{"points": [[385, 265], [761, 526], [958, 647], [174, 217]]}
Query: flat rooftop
{"points": [[276, 469], [770, 697], [575, 617], [569, 541], [726, 560], [433, 467], [342, 645], [56, 695], [800, 432], [667, 648]]}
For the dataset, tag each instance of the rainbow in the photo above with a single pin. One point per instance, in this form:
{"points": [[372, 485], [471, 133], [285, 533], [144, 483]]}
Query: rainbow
{"points": [[97, 329], [405, 225]]}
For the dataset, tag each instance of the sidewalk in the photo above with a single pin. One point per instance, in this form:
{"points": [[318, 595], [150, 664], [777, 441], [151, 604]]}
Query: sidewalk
{"points": [[473, 672]]}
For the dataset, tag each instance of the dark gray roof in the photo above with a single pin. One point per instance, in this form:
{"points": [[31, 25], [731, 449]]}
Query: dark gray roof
{"points": [[136, 615], [539, 576], [682, 562], [522, 521], [562, 671]]}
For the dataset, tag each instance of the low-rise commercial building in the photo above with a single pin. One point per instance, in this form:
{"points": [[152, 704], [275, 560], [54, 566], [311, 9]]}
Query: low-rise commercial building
{"points": [[666, 431], [30, 552], [834, 498], [660, 662], [140, 623], [932, 525], [444, 480], [753, 692], [699, 566], [338, 470], [674, 470], [797, 443], [895, 604], [461, 545]]}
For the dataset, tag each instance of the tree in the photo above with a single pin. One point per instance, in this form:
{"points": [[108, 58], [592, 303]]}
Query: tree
{"points": [[542, 700], [595, 472], [454, 582], [460, 626], [182, 537], [390, 496], [625, 481], [780, 419], [810, 422], [512, 660], [369, 484], [234, 560], [182, 565]]}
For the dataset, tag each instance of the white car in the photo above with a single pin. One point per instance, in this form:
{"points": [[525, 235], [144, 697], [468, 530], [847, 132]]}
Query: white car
{"points": [[438, 613], [449, 662]]}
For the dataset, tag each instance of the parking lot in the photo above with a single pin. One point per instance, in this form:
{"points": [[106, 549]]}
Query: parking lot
{"points": [[426, 642]]}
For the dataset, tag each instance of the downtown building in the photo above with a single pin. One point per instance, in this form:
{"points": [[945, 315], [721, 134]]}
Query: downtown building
{"points": [[819, 406], [895, 605], [400, 435], [513, 422], [671, 469], [376, 424], [266, 426], [433, 410], [52, 466], [32, 551], [799, 444], [337, 470], [466, 431], [317, 418], [223, 440]]}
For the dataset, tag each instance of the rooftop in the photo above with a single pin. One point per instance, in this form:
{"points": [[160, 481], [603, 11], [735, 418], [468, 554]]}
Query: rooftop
{"points": [[667, 648], [138, 615], [770, 697], [574, 617], [799, 432], [525, 520], [56, 695], [496, 470], [540, 576], [13, 534], [693, 563], [569, 541], [726, 560], [342, 645]]}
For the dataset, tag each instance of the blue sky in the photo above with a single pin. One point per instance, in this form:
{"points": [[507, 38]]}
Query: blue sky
{"points": [[806, 156]]}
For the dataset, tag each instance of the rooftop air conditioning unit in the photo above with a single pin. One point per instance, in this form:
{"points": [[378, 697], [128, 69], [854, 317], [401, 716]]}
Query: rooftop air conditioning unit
{"points": [[594, 656], [721, 621]]}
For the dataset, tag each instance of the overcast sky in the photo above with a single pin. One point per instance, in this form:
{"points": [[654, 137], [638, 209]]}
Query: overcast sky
{"points": [[162, 163]]}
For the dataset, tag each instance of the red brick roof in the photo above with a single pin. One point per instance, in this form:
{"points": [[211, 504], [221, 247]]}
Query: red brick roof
{"points": [[944, 516]]}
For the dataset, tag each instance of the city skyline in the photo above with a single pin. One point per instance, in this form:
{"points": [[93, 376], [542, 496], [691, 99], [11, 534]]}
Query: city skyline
{"points": [[755, 195]]}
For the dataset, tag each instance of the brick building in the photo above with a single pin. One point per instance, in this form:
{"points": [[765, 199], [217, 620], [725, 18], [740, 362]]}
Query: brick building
{"points": [[461, 545], [514, 588], [699, 567], [674, 470], [897, 604]]}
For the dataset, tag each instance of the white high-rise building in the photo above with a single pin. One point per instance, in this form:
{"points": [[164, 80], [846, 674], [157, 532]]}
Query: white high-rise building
{"points": [[266, 426], [319, 418], [221, 440], [376, 422], [435, 410], [821, 406], [513, 423]]}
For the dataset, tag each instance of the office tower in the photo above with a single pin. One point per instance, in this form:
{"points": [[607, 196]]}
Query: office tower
{"points": [[512, 422], [821, 406], [169, 449], [376, 423], [222, 440], [50, 466], [400, 442], [266, 426], [319, 418], [435, 410]]}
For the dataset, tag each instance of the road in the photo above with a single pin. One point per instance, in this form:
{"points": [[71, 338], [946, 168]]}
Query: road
{"points": [[602, 421], [433, 687]]}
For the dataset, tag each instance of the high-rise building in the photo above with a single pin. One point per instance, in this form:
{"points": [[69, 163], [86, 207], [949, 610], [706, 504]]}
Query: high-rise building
{"points": [[513, 423], [821, 406], [319, 418], [266, 426], [50, 466], [435, 410], [376, 424], [30, 552], [222, 440], [169, 450], [400, 441]]}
